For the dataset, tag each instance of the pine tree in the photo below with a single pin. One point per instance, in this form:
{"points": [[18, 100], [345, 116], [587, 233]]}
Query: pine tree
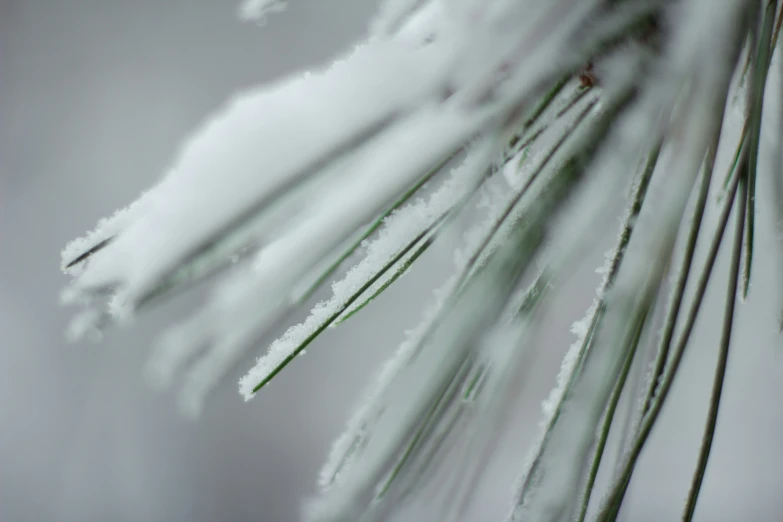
{"points": [[546, 118]]}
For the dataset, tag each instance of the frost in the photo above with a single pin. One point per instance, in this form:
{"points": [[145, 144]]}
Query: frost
{"points": [[579, 329], [105, 230], [400, 228], [233, 300], [375, 399], [454, 342], [606, 267], [406, 224], [563, 460], [346, 446], [519, 168]]}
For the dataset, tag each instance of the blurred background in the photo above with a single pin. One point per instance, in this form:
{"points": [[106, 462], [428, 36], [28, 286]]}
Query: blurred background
{"points": [[95, 98]]}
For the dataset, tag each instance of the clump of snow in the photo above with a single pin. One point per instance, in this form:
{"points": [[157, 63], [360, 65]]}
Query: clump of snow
{"points": [[244, 155], [258, 10]]}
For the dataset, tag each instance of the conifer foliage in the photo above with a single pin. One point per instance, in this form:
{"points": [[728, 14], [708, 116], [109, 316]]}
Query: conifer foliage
{"points": [[546, 116]]}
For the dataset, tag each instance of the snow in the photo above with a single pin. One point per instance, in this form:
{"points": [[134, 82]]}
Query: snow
{"points": [[354, 136], [400, 228], [375, 399], [297, 167], [564, 458], [244, 155], [258, 10]]}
